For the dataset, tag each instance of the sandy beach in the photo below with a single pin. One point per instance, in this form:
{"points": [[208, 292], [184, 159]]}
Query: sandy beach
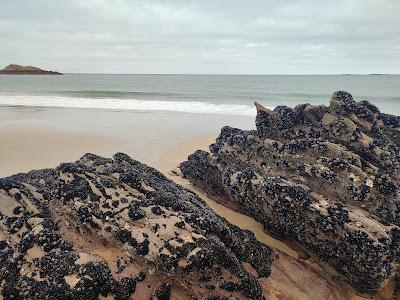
{"points": [[41, 138], [34, 138]]}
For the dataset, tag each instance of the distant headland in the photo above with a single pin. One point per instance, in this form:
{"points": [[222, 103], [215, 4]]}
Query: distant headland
{"points": [[14, 69]]}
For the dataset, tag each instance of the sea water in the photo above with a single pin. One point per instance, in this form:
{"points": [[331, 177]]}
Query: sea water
{"points": [[197, 94]]}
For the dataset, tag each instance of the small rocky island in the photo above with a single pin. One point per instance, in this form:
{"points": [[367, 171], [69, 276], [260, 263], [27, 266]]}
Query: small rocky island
{"points": [[323, 177], [14, 69]]}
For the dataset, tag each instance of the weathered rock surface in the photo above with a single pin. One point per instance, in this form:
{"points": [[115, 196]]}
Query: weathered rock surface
{"points": [[14, 69], [325, 178], [118, 228]]}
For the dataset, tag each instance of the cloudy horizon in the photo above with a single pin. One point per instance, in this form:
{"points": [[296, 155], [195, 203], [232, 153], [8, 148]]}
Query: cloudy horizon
{"points": [[202, 37]]}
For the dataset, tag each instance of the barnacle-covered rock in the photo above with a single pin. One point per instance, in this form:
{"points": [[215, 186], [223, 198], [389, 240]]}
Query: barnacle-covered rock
{"points": [[118, 228], [325, 178]]}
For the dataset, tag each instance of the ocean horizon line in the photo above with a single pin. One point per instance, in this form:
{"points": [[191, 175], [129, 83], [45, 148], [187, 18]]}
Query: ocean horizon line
{"points": [[232, 74]]}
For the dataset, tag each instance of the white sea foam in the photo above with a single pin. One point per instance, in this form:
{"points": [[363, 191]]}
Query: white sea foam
{"points": [[129, 104]]}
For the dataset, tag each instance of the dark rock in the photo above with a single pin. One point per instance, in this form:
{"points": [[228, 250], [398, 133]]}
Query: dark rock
{"points": [[28, 70], [326, 178], [164, 292], [135, 213], [95, 205]]}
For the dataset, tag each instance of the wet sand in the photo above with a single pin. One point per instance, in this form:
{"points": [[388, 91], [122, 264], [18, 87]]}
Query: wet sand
{"points": [[32, 138]]}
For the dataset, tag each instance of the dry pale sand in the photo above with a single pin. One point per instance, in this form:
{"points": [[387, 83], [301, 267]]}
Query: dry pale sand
{"points": [[26, 149], [23, 149]]}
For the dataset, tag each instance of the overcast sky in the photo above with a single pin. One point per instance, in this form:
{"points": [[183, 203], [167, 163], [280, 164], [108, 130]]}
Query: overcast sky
{"points": [[204, 36]]}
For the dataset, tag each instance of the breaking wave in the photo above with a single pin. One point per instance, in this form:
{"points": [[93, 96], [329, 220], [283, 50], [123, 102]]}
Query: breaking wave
{"points": [[195, 107]]}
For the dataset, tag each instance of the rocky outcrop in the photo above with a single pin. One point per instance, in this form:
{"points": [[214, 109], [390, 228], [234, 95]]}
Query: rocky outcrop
{"points": [[26, 70], [325, 178], [118, 228]]}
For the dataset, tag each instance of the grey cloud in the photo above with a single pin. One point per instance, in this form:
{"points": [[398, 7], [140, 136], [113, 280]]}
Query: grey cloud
{"points": [[176, 36]]}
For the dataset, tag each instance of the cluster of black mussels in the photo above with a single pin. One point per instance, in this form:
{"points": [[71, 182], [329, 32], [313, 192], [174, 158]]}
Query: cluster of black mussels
{"points": [[323, 177]]}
